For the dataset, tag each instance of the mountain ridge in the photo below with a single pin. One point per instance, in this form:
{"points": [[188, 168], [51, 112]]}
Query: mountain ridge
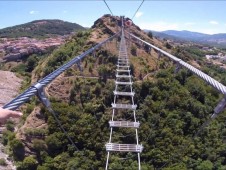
{"points": [[40, 28], [214, 39]]}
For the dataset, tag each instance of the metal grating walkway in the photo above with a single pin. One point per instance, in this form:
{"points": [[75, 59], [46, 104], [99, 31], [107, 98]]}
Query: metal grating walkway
{"points": [[123, 77]]}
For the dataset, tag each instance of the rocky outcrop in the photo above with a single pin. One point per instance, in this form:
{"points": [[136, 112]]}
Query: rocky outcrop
{"points": [[12, 57], [9, 86]]}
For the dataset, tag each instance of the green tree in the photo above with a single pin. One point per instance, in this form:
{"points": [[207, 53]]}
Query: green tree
{"points": [[103, 72], [54, 143], [3, 162], [18, 149], [134, 51], [39, 145], [43, 168], [10, 125], [205, 165], [61, 161], [168, 46], [32, 61], [150, 35], [29, 163]]}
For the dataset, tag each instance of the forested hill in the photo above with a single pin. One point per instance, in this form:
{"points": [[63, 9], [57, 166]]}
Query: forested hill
{"points": [[40, 28], [171, 108]]}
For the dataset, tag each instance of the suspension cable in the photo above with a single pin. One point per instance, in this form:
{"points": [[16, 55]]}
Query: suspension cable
{"points": [[108, 7], [137, 9]]}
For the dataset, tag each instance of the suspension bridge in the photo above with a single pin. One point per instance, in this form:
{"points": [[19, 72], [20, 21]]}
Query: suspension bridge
{"points": [[123, 82]]}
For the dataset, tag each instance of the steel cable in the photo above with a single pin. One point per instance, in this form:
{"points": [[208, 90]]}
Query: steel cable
{"points": [[137, 9]]}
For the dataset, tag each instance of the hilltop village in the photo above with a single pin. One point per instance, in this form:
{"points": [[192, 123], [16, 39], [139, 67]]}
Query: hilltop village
{"points": [[12, 49]]}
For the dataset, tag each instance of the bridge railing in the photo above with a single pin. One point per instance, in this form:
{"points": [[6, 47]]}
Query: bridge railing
{"points": [[214, 83], [32, 90]]}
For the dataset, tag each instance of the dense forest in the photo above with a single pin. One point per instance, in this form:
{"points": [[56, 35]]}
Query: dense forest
{"points": [[171, 109], [40, 29]]}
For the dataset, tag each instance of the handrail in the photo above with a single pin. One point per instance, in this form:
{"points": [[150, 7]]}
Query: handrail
{"points": [[214, 83], [32, 90]]}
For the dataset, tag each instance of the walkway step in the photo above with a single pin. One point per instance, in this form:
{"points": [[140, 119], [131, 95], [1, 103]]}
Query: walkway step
{"points": [[120, 62], [123, 147], [123, 59], [120, 66], [123, 83], [123, 76], [124, 106], [123, 93], [124, 124], [122, 70]]}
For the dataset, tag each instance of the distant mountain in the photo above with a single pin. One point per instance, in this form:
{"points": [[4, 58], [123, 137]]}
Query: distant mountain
{"points": [[188, 35], [40, 28], [162, 35], [215, 39]]}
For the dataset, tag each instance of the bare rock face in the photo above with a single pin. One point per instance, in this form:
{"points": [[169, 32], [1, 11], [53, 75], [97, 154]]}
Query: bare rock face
{"points": [[34, 127], [12, 57], [9, 86]]}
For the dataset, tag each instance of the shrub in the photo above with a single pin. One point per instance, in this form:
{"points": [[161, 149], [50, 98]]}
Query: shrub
{"points": [[18, 149], [29, 163], [3, 162], [39, 145], [150, 35], [134, 50]]}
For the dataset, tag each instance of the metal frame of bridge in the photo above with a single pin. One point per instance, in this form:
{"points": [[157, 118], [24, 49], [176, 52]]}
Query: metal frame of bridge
{"points": [[123, 78]]}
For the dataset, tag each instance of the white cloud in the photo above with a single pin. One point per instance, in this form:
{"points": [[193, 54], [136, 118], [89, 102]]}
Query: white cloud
{"points": [[139, 14], [213, 22], [65, 11], [189, 23], [159, 26], [33, 12]]}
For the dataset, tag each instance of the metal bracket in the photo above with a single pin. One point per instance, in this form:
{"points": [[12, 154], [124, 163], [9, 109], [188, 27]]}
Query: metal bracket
{"points": [[159, 55], [219, 108], [94, 54], [42, 96], [79, 66], [106, 45], [149, 49], [141, 44], [178, 67]]}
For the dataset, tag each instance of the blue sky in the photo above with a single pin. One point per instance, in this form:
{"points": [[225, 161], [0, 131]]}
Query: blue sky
{"points": [[200, 16]]}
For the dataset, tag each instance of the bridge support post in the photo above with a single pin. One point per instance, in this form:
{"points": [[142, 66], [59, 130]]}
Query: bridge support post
{"points": [[219, 108], [177, 69], [94, 54], [80, 68], [159, 55], [149, 50], [158, 59]]}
